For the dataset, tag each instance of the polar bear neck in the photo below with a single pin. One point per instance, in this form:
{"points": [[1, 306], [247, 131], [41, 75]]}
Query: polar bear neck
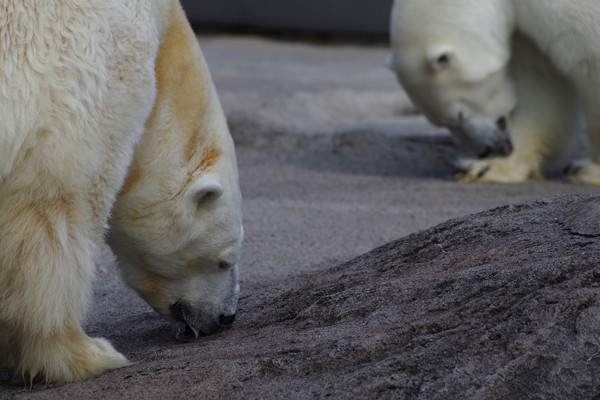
{"points": [[496, 17]]}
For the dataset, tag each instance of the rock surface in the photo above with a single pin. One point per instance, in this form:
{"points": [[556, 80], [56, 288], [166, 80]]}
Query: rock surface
{"points": [[499, 304]]}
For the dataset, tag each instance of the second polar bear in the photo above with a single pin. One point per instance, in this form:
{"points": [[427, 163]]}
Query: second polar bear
{"points": [[509, 78]]}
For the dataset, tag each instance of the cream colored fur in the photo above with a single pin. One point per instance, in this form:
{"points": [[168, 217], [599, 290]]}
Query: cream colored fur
{"points": [[79, 79]]}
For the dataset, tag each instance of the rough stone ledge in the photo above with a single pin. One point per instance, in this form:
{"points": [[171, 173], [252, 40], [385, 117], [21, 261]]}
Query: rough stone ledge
{"points": [[498, 305]]}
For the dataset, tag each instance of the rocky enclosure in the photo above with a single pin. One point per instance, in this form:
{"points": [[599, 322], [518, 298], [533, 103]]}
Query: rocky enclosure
{"points": [[497, 304]]}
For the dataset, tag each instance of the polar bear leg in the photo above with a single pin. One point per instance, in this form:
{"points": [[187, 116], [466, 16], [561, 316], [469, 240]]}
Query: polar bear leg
{"points": [[511, 169], [65, 357], [542, 125], [584, 171], [588, 170], [46, 269], [6, 361]]}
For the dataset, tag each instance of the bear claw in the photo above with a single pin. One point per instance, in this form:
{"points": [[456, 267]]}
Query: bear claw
{"points": [[572, 169], [484, 171]]}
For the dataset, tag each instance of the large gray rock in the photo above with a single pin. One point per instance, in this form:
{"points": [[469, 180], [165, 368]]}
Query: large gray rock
{"points": [[498, 305]]}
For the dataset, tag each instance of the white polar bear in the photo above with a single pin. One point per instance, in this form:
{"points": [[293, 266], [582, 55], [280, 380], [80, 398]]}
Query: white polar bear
{"points": [[82, 82], [504, 75]]}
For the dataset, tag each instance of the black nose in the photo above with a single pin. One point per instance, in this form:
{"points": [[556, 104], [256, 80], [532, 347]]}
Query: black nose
{"points": [[226, 319], [502, 123], [486, 152]]}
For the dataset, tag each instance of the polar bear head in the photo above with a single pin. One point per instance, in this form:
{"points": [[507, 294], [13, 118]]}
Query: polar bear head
{"points": [[176, 227], [453, 64], [178, 239]]}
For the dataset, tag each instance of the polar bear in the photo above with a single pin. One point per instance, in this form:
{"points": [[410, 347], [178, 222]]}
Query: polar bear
{"points": [[108, 106], [509, 78]]}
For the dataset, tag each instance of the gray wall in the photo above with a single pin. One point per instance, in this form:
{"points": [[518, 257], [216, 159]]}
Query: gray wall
{"points": [[346, 17]]}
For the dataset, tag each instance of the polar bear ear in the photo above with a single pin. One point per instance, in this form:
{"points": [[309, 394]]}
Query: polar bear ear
{"points": [[206, 190], [208, 194], [439, 58], [473, 65]]}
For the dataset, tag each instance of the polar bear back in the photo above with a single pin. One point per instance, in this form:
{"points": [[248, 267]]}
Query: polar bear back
{"points": [[566, 31], [72, 91]]}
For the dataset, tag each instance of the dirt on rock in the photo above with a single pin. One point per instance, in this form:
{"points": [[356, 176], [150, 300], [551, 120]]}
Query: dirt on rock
{"points": [[454, 302]]}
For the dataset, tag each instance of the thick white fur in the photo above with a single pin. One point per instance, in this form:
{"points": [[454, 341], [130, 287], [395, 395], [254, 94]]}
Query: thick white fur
{"points": [[532, 61], [77, 85]]}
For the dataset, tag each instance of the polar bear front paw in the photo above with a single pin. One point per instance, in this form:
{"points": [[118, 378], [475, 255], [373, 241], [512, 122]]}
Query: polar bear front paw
{"points": [[495, 170], [583, 171], [69, 358]]}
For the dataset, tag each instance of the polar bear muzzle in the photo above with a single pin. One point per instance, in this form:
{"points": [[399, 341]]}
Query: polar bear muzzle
{"points": [[184, 314]]}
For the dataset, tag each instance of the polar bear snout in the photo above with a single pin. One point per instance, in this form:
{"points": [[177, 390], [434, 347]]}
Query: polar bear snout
{"points": [[482, 136], [200, 304], [503, 148], [227, 320], [196, 323]]}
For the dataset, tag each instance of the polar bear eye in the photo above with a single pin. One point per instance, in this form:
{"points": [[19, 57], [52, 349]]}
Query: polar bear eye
{"points": [[501, 123], [224, 265]]}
